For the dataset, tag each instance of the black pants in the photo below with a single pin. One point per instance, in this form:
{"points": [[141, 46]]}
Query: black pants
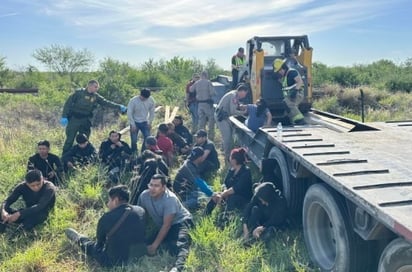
{"points": [[91, 250], [32, 220], [255, 218], [233, 202], [177, 242]]}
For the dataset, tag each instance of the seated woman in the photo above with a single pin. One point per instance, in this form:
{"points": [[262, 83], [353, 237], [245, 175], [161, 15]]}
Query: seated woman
{"points": [[265, 212], [258, 115], [238, 184]]}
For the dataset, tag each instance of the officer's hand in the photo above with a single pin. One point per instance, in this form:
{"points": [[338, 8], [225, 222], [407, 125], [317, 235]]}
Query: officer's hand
{"points": [[123, 108], [64, 121]]}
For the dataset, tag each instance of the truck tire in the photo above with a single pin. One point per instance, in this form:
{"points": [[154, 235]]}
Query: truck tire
{"points": [[292, 188], [329, 238], [396, 257]]}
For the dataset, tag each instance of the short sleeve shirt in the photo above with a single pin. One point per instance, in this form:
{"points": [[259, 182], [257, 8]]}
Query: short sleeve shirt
{"points": [[166, 205]]}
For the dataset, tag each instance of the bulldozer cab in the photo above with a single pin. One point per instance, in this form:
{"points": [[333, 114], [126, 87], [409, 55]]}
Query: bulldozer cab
{"points": [[261, 52]]}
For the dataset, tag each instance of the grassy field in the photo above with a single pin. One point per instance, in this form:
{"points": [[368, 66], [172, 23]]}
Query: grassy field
{"points": [[81, 202], [25, 119]]}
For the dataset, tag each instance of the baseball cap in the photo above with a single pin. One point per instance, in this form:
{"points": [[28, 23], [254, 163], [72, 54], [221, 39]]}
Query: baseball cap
{"points": [[201, 133], [196, 152]]}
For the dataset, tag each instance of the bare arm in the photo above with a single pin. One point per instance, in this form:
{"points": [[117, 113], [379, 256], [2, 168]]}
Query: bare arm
{"points": [[167, 223], [268, 118]]}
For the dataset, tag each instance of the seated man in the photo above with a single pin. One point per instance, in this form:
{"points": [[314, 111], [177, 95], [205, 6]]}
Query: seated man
{"points": [[150, 164], [81, 154], [171, 218], [48, 163], [165, 144], [188, 184], [265, 212], [182, 130], [39, 196], [180, 144], [210, 162], [151, 144], [120, 232], [114, 152]]}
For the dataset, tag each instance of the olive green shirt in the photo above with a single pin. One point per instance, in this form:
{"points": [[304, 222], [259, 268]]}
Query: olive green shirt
{"points": [[82, 103]]}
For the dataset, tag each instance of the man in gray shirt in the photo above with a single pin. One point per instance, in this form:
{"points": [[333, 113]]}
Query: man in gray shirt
{"points": [[171, 217], [140, 114]]}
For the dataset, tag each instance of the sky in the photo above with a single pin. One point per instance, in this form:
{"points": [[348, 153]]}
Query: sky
{"points": [[342, 33]]}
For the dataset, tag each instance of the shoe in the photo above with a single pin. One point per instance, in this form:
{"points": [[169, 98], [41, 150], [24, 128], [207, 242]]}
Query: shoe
{"points": [[73, 235], [174, 269]]}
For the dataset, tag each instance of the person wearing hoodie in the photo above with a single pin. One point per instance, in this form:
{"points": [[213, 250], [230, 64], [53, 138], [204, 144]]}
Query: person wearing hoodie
{"points": [[265, 212]]}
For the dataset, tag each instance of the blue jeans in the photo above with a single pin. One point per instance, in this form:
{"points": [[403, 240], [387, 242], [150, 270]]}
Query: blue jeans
{"points": [[144, 128], [195, 117], [191, 201]]}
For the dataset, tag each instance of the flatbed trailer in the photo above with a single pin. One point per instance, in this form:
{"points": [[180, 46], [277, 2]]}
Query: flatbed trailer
{"points": [[349, 182]]}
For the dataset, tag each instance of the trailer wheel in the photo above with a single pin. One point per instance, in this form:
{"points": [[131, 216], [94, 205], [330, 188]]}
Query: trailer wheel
{"points": [[330, 240], [293, 189], [396, 257]]}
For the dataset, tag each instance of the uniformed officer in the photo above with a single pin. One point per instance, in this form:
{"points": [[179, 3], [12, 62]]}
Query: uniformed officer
{"points": [[78, 111], [292, 84]]}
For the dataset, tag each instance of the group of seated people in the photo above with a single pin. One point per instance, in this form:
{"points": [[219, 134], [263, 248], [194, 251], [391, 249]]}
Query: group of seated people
{"points": [[169, 203]]}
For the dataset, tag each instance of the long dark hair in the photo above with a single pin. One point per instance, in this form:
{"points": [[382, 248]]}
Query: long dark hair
{"points": [[261, 107]]}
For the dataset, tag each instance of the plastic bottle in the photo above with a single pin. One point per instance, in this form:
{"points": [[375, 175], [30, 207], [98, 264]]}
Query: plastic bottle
{"points": [[279, 131]]}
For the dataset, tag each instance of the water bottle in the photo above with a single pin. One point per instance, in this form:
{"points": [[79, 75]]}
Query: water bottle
{"points": [[279, 130]]}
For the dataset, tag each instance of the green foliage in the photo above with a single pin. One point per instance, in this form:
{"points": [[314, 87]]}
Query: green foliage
{"points": [[4, 72], [382, 74], [64, 60]]}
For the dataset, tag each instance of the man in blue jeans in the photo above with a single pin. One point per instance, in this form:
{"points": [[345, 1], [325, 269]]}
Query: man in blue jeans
{"points": [[140, 114]]}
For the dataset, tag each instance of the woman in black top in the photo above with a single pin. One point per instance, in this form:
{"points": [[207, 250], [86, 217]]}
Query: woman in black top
{"points": [[266, 211], [238, 183]]}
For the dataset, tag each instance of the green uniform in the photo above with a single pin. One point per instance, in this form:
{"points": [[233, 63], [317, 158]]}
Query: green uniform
{"points": [[78, 109]]}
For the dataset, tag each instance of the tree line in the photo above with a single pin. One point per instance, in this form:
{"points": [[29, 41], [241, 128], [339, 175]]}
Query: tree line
{"points": [[73, 67]]}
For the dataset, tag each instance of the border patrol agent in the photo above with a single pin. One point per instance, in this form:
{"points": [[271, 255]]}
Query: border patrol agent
{"points": [[78, 111]]}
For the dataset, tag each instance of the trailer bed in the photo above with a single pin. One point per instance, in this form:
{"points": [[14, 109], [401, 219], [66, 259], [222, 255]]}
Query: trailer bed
{"points": [[371, 168]]}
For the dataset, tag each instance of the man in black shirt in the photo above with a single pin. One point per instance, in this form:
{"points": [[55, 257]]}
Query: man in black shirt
{"points": [[210, 162], [114, 152], [120, 232], [48, 163], [182, 130], [81, 154], [39, 196]]}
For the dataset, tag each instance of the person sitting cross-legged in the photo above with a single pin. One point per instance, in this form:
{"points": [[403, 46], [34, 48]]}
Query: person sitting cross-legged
{"points": [[120, 232]]}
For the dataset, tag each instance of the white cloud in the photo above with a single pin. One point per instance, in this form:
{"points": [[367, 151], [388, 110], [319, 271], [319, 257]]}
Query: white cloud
{"points": [[208, 24], [8, 14]]}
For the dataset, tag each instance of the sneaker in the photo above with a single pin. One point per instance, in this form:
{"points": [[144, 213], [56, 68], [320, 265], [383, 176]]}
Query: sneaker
{"points": [[174, 269], [73, 235]]}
